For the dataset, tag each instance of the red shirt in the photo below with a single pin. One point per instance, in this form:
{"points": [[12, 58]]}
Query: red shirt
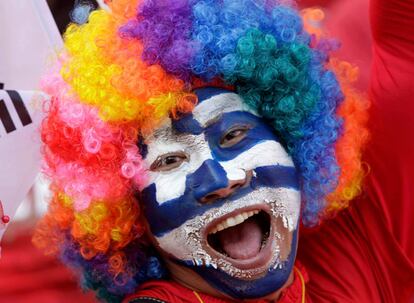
{"points": [[366, 254], [173, 292]]}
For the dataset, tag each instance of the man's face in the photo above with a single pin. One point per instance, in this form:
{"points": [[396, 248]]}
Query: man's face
{"points": [[223, 197]]}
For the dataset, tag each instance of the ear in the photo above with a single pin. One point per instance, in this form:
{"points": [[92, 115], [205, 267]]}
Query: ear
{"points": [[20, 119]]}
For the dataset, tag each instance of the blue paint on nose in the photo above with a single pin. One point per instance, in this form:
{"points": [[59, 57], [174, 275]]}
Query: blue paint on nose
{"points": [[208, 178], [171, 214]]}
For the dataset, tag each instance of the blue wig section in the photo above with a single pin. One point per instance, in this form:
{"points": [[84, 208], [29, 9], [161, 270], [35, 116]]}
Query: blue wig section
{"points": [[264, 52], [96, 274], [219, 25]]}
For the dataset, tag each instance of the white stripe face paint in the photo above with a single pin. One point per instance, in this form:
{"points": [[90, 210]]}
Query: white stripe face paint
{"points": [[265, 153], [171, 184], [217, 105]]}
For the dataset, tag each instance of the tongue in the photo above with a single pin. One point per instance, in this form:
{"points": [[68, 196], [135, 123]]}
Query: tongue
{"points": [[242, 241]]}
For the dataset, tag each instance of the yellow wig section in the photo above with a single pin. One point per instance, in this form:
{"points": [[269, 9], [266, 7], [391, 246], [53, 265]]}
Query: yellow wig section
{"points": [[105, 70]]}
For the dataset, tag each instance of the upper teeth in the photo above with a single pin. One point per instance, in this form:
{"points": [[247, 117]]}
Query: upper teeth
{"points": [[232, 221]]}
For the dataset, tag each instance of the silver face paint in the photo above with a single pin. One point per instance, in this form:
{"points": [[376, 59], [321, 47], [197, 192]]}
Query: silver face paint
{"points": [[188, 242]]}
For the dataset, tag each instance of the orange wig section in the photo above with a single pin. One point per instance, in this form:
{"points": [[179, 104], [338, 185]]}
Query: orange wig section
{"points": [[354, 113]]}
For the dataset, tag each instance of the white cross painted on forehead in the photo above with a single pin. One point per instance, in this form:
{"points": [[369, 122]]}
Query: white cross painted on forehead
{"points": [[211, 109]]}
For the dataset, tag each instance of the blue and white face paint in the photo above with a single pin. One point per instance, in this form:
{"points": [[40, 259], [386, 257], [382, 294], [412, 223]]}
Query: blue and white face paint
{"points": [[223, 196]]}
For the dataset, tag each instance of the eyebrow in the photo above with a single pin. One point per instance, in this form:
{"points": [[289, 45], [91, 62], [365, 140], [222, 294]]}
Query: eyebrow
{"points": [[161, 132], [213, 120]]}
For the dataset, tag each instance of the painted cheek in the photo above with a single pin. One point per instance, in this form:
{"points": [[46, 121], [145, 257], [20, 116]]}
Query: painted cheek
{"points": [[276, 176], [168, 215], [265, 153], [172, 184]]}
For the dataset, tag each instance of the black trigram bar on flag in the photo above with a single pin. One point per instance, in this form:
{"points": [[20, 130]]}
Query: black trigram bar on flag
{"points": [[20, 108]]}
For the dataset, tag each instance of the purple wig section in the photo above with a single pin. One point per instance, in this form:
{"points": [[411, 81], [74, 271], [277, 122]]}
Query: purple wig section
{"points": [[176, 33], [164, 27]]}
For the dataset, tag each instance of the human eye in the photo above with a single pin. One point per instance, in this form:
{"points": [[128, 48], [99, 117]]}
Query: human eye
{"points": [[234, 135], [169, 161]]}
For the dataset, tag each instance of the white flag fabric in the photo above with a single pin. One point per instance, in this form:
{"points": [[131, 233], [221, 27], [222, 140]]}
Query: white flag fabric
{"points": [[20, 116], [29, 38]]}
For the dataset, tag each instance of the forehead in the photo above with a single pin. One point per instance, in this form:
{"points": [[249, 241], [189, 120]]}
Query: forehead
{"points": [[175, 135], [213, 102]]}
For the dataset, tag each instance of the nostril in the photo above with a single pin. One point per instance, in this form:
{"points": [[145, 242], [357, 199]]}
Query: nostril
{"points": [[211, 197], [230, 189], [235, 186]]}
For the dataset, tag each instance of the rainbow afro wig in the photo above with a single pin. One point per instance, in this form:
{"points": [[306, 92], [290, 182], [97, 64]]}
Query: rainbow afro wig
{"points": [[126, 69]]}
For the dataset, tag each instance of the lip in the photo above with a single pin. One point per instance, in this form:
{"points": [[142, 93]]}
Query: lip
{"points": [[259, 263]]}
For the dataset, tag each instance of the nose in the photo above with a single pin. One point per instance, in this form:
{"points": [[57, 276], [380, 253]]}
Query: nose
{"points": [[233, 185]]}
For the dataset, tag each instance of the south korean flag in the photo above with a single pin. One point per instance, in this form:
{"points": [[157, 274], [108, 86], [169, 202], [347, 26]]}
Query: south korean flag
{"points": [[20, 118], [29, 39]]}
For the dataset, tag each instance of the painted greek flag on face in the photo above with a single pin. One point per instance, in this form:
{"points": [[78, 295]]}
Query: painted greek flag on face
{"points": [[206, 165], [207, 170]]}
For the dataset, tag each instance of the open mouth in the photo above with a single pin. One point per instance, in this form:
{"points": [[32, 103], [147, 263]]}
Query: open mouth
{"points": [[243, 238]]}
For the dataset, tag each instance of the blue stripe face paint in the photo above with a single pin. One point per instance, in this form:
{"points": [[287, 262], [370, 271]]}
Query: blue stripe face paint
{"points": [[215, 175], [172, 214]]}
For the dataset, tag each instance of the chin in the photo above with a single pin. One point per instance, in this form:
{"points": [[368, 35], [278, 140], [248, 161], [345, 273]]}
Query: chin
{"points": [[265, 281]]}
